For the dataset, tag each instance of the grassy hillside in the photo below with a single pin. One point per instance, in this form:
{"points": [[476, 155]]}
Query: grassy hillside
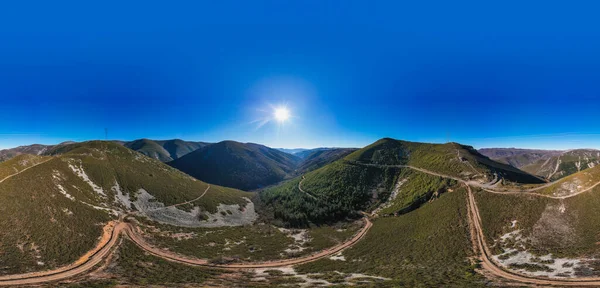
{"points": [[164, 150], [414, 189], [428, 247], [347, 186], [574, 183], [40, 228], [53, 213], [19, 163], [450, 158], [320, 157], [244, 166], [542, 233], [334, 192]]}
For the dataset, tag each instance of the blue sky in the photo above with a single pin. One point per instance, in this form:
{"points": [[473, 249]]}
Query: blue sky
{"points": [[505, 74]]}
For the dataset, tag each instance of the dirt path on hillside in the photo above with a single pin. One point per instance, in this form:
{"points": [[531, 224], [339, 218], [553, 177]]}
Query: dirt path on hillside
{"points": [[300, 188], [108, 240], [165, 254], [15, 174], [479, 239], [486, 187], [495, 269], [114, 229], [186, 202]]}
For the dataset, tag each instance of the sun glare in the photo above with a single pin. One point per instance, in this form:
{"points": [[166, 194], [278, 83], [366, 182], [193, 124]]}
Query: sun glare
{"points": [[282, 114]]}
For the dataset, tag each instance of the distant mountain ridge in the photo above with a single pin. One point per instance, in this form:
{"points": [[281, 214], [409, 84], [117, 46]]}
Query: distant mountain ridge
{"points": [[164, 150], [292, 151], [550, 164], [250, 166], [304, 152], [244, 166], [33, 149], [518, 157], [317, 158]]}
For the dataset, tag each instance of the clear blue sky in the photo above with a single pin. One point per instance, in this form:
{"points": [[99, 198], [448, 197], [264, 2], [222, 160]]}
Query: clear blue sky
{"points": [[503, 74]]}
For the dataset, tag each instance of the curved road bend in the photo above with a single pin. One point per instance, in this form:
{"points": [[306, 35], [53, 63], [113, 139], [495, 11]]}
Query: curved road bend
{"points": [[84, 264], [486, 260], [300, 188], [113, 230], [495, 269], [168, 255]]}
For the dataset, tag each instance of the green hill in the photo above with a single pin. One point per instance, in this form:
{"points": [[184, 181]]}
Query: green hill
{"points": [[164, 150], [549, 237], [19, 163], [429, 247], [573, 184], [244, 166], [451, 158], [53, 212], [320, 157], [376, 175]]}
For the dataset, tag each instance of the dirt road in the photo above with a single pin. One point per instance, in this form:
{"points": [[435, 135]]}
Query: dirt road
{"points": [[485, 253], [139, 240], [495, 269], [187, 202], [114, 229], [300, 188], [109, 239], [486, 187], [15, 174]]}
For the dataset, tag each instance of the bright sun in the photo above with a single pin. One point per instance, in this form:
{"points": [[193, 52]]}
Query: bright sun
{"points": [[282, 114]]}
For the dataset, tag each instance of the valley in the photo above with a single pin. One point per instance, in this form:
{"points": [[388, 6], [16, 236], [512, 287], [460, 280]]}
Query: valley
{"points": [[332, 215]]}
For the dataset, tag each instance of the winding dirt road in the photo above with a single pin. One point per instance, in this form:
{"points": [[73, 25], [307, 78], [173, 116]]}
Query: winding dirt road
{"points": [[17, 173], [488, 264], [109, 239], [481, 245], [301, 190], [114, 229], [484, 186], [187, 202], [168, 255]]}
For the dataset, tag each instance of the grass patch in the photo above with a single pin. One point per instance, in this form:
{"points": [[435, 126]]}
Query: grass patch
{"points": [[245, 243], [427, 247], [136, 267]]}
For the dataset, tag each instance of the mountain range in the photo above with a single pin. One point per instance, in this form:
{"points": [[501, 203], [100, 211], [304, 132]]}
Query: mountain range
{"points": [[246, 166], [550, 164], [428, 209], [164, 150]]}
